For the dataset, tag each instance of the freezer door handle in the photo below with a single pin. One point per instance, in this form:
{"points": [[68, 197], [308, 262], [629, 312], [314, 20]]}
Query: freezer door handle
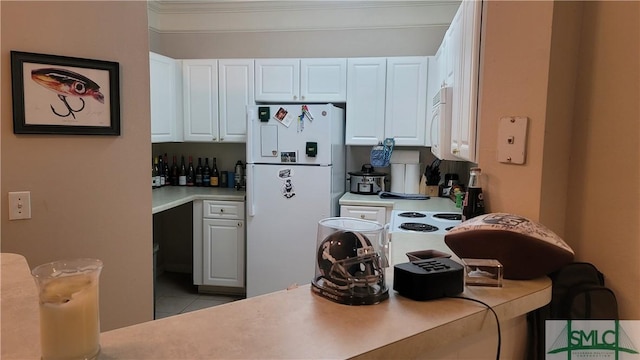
{"points": [[250, 116], [251, 208]]}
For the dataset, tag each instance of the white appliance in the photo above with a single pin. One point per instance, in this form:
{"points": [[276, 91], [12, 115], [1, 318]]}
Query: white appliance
{"points": [[295, 177], [441, 124], [421, 230]]}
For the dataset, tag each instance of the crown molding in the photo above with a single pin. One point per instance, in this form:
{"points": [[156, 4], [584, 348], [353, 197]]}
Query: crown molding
{"points": [[187, 16]]}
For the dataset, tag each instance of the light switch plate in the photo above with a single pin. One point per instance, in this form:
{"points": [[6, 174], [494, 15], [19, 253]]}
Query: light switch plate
{"points": [[512, 139], [19, 205]]}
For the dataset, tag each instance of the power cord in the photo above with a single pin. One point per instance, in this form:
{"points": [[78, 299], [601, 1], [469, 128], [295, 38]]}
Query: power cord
{"points": [[494, 314]]}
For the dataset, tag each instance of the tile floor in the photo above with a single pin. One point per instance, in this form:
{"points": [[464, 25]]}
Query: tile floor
{"points": [[175, 294]]}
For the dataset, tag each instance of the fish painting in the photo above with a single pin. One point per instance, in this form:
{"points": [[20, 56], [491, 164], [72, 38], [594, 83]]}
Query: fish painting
{"points": [[67, 83]]}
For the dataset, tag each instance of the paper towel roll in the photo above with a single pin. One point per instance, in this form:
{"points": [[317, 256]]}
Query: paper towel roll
{"points": [[412, 179], [397, 178]]}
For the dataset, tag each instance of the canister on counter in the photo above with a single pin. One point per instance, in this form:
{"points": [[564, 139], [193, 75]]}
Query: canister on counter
{"points": [[224, 179]]}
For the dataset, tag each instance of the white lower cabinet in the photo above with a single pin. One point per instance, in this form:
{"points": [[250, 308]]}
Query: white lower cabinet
{"points": [[373, 213], [219, 258]]}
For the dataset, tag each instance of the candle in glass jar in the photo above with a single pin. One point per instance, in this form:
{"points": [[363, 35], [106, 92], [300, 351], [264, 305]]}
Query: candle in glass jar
{"points": [[69, 311]]}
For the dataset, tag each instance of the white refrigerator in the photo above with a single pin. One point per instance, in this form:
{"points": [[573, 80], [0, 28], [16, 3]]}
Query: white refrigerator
{"points": [[295, 177]]}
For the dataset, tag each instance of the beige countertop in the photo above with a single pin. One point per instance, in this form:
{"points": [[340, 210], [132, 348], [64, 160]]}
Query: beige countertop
{"points": [[293, 324], [431, 204], [168, 197]]}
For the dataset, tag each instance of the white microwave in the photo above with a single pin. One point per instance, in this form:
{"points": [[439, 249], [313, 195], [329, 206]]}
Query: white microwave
{"points": [[441, 125]]}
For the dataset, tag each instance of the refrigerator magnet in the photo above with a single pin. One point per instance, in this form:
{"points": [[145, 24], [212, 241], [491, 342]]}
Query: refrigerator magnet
{"points": [[283, 117], [287, 189], [285, 173], [288, 156]]}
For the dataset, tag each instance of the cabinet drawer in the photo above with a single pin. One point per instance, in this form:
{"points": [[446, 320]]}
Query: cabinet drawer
{"points": [[373, 213], [222, 209]]}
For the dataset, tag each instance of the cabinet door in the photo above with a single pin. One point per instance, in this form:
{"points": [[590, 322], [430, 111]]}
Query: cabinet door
{"points": [[200, 93], [366, 88], [236, 92], [372, 213], [163, 86], [465, 91], [223, 252], [323, 80], [405, 110], [277, 80]]}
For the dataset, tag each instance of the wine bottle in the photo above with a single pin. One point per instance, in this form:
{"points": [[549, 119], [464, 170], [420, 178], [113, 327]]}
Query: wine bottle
{"points": [[156, 173], [215, 176], [153, 175], [198, 181], [206, 173], [182, 177], [473, 203], [191, 172], [167, 173], [161, 177], [174, 172]]}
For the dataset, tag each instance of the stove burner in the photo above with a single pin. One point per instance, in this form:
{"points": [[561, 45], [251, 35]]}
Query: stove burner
{"points": [[412, 214], [448, 216], [418, 227]]}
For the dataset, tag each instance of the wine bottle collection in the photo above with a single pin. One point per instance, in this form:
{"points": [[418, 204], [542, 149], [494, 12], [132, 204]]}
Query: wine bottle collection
{"points": [[184, 174]]}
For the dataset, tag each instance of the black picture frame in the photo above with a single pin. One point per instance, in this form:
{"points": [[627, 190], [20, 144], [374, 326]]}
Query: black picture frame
{"points": [[64, 95]]}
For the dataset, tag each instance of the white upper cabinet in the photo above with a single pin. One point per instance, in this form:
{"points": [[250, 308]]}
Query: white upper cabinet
{"points": [[200, 93], [387, 98], [296, 80], [405, 112], [235, 93], [366, 79], [166, 112], [323, 80], [466, 54]]}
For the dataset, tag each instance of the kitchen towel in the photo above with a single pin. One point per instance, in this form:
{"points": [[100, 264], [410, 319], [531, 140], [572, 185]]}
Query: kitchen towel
{"points": [[397, 177], [412, 179], [394, 195]]}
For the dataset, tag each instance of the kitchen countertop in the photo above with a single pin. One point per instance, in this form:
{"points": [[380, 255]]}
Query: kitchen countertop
{"points": [[289, 324], [168, 197], [431, 204]]}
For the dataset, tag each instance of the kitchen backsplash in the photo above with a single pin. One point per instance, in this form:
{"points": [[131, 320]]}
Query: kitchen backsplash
{"points": [[228, 153], [359, 155]]}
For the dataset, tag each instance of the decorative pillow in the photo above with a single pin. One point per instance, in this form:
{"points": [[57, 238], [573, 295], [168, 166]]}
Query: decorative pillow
{"points": [[525, 248]]}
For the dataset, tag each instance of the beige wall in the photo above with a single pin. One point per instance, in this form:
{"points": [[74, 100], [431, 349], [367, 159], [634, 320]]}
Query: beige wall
{"points": [[90, 195], [515, 69], [572, 68], [603, 216], [335, 43]]}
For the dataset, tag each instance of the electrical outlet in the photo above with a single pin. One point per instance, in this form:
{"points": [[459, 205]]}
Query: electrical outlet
{"points": [[19, 205]]}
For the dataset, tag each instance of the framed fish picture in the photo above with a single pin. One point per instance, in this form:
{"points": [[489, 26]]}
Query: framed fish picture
{"points": [[64, 95]]}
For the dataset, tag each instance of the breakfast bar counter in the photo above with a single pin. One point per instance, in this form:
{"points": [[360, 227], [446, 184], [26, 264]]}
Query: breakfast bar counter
{"points": [[296, 324]]}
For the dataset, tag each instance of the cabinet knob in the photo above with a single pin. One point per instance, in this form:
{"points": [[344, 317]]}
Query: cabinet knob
{"points": [[221, 138], [215, 138], [295, 97], [239, 224], [302, 97], [361, 216], [455, 151], [221, 210]]}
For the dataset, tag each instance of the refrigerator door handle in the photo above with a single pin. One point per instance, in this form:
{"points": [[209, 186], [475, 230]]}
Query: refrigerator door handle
{"points": [[250, 136], [251, 207]]}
